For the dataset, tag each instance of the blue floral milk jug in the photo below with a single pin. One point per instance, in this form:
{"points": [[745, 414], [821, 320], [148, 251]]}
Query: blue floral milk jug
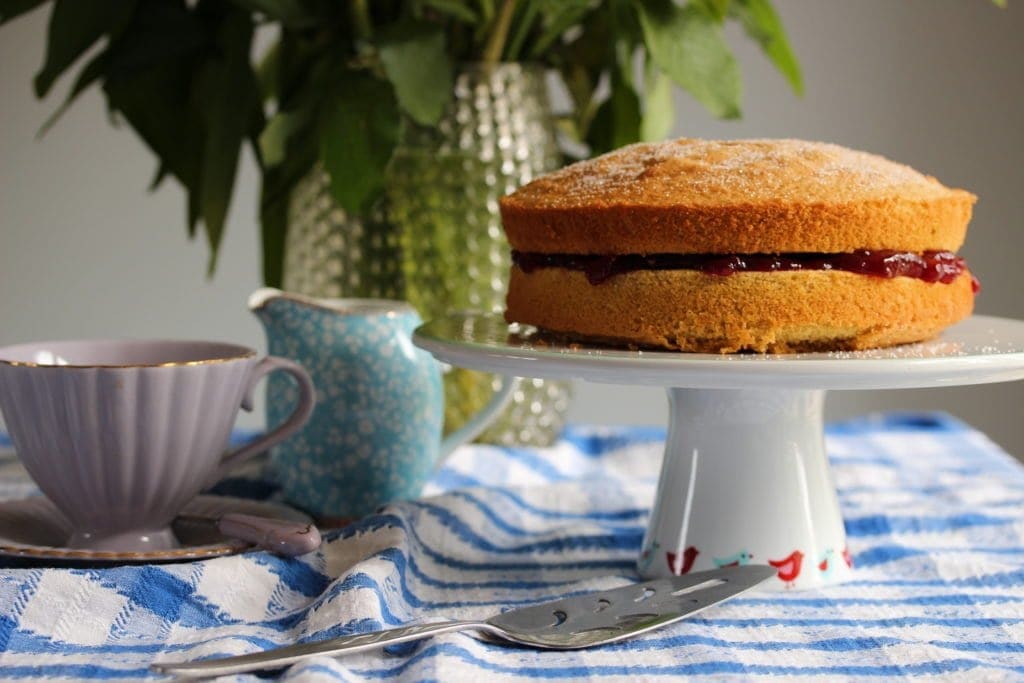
{"points": [[375, 435]]}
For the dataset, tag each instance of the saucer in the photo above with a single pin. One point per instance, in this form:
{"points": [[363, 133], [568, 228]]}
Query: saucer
{"points": [[33, 529]]}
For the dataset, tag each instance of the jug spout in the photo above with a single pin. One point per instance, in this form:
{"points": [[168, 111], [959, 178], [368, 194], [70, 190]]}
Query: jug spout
{"points": [[269, 303], [259, 299], [259, 304]]}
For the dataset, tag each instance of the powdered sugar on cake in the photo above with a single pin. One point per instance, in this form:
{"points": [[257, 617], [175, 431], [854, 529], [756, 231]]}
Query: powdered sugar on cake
{"points": [[690, 171]]}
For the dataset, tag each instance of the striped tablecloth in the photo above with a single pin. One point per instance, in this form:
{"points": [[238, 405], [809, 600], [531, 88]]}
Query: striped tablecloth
{"points": [[934, 513]]}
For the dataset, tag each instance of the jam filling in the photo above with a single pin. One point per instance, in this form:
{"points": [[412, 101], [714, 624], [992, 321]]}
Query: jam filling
{"points": [[930, 266]]}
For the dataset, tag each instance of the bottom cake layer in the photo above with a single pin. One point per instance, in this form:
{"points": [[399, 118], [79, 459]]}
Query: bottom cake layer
{"points": [[776, 312]]}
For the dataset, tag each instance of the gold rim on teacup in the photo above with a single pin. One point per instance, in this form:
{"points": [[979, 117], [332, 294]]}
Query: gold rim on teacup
{"points": [[241, 353]]}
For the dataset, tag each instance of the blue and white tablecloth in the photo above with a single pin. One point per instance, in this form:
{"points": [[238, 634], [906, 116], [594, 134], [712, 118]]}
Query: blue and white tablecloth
{"points": [[934, 513]]}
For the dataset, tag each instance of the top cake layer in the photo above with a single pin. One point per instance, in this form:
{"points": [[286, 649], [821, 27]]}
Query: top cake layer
{"points": [[745, 196]]}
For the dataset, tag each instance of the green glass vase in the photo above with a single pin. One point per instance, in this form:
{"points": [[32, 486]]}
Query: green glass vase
{"points": [[436, 238]]}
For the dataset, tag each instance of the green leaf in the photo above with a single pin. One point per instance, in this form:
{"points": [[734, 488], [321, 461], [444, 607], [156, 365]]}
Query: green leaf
{"points": [[273, 231], [593, 47], [453, 8], [225, 94], [296, 65], [624, 52], [999, 3], [688, 45], [273, 140], [557, 16], [581, 84], [275, 197], [158, 177], [762, 24], [166, 34], [624, 23], [11, 9], [156, 106], [149, 78], [89, 74], [75, 26], [268, 71], [415, 62], [584, 61], [181, 77], [486, 10], [290, 13], [357, 139], [522, 23], [617, 121], [659, 109], [716, 9]]}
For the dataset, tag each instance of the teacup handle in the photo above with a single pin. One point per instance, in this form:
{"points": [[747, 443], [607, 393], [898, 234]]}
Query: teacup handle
{"points": [[484, 417], [307, 399]]}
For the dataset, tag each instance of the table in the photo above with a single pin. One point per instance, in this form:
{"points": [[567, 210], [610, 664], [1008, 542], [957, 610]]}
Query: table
{"points": [[934, 516]]}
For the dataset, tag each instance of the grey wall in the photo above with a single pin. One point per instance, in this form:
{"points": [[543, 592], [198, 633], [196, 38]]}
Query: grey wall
{"points": [[938, 84]]}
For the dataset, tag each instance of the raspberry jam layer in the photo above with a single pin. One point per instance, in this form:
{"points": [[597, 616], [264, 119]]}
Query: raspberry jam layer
{"points": [[930, 266]]}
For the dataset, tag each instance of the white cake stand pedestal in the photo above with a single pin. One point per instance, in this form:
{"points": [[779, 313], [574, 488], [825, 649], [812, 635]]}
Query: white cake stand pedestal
{"points": [[745, 476]]}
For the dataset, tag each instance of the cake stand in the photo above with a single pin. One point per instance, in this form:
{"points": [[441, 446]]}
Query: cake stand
{"points": [[745, 476]]}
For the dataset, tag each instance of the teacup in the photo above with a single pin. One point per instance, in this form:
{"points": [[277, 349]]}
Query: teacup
{"points": [[120, 435]]}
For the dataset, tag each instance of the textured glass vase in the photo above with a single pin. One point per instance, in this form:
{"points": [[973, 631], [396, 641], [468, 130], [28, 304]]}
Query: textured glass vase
{"points": [[436, 239]]}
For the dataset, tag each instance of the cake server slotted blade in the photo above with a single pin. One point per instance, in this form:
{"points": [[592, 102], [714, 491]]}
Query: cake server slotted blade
{"points": [[570, 623]]}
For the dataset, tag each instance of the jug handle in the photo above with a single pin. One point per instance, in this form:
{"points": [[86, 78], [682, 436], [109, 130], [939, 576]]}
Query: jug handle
{"points": [[303, 410], [484, 417]]}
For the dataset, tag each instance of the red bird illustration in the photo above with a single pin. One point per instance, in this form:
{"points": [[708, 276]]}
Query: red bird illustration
{"points": [[848, 557], [828, 563], [689, 555], [789, 568]]}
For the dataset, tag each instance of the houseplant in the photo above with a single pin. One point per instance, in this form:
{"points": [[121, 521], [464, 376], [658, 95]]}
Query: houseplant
{"points": [[349, 94], [181, 74]]}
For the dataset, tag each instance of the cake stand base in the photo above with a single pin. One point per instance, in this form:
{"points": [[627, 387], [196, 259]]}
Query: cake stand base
{"points": [[746, 479]]}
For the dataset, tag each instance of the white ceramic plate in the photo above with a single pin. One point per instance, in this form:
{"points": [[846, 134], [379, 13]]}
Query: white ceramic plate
{"points": [[33, 528], [979, 350]]}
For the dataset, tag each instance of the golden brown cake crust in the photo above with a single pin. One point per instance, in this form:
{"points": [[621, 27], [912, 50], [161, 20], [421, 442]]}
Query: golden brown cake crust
{"points": [[764, 312], [745, 196]]}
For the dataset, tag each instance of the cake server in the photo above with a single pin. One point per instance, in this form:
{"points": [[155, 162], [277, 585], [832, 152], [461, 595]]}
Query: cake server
{"points": [[567, 624]]}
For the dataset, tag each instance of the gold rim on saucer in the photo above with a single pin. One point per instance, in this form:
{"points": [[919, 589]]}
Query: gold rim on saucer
{"points": [[29, 528]]}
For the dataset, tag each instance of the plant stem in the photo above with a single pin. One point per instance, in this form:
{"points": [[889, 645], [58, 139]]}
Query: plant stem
{"points": [[496, 43], [515, 46], [361, 20]]}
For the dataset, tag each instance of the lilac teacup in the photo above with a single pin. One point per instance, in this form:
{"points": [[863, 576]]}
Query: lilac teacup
{"points": [[120, 435]]}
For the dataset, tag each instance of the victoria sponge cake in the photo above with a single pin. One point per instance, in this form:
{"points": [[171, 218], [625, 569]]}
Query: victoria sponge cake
{"points": [[749, 245]]}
